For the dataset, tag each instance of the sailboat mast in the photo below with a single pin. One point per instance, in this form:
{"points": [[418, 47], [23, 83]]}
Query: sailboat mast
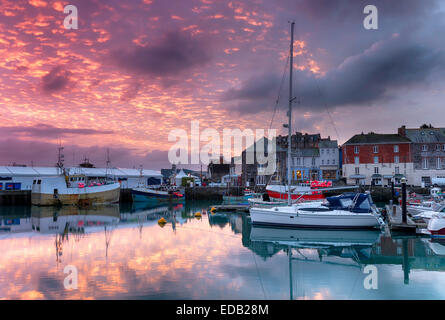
{"points": [[289, 137]]}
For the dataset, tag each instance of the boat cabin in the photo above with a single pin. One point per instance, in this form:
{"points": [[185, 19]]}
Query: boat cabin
{"points": [[354, 202]]}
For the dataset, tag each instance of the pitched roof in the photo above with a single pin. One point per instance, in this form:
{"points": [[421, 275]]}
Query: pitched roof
{"points": [[328, 144], [377, 138], [426, 135]]}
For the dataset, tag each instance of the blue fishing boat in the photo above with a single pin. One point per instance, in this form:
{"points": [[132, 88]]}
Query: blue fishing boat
{"points": [[154, 196]]}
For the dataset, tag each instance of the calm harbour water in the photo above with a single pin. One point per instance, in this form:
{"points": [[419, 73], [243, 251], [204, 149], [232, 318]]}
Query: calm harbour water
{"points": [[122, 253]]}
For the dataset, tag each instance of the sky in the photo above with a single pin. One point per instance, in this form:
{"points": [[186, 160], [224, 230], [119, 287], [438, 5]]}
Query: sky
{"points": [[135, 70]]}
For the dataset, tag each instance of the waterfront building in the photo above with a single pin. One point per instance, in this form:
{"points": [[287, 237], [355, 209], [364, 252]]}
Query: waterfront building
{"points": [[418, 154], [217, 169], [376, 159], [312, 158], [329, 160], [428, 153], [21, 178], [252, 172]]}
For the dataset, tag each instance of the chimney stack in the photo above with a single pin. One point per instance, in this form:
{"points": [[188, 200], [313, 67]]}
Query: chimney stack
{"points": [[402, 131]]}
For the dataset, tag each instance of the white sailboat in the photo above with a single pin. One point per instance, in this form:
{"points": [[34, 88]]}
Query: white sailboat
{"points": [[344, 212]]}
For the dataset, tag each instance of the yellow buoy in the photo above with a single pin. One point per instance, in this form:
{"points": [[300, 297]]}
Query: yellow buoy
{"points": [[213, 209], [162, 222], [198, 214]]}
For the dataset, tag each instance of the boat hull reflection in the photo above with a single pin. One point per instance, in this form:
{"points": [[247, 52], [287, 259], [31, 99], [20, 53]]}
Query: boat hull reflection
{"points": [[61, 219], [313, 237]]}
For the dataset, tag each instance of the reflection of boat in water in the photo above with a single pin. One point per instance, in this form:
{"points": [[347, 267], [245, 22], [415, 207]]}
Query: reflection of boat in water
{"points": [[314, 237], [144, 215], [219, 219], [72, 219], [343, 247], [436, 245]]}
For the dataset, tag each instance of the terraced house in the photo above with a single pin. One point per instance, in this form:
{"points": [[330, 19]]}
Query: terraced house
{"points": [[375, 159], [427, 152], [418, 154]]}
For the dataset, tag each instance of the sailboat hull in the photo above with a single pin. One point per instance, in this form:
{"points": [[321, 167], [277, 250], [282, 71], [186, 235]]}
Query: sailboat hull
{"points": [[298, 219]]}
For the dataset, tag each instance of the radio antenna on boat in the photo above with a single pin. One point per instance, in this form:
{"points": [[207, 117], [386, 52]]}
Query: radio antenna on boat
{"points": [[108, 165], [60, 160]]}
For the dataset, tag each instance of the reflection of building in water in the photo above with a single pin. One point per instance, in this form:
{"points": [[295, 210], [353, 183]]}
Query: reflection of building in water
{"points": [[72, 220], [15, 224]]}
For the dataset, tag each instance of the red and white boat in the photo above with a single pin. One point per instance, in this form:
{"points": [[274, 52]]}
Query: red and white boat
{"points": [[304, 191]]}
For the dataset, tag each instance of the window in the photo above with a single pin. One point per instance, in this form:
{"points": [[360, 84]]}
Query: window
{"points": [[396, 170], [333, 161], [357, 170], [443, 147], [425, 163], [313, 161], [424, 147], [438, 163], [322, 151], [322, 161], [396, 148], [356, 149], [437, 147], [375, 149], [396, 159], [327, 161], [39, 181], [376, 159], [376, 170]]}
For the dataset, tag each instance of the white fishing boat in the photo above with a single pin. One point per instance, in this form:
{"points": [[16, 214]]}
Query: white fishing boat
{"points": [[345, 212], [72, 190], [68, 188]]}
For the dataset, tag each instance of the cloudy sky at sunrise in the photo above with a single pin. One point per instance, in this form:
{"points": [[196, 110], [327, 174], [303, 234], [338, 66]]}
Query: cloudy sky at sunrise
{"points": [[134, 70]]}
